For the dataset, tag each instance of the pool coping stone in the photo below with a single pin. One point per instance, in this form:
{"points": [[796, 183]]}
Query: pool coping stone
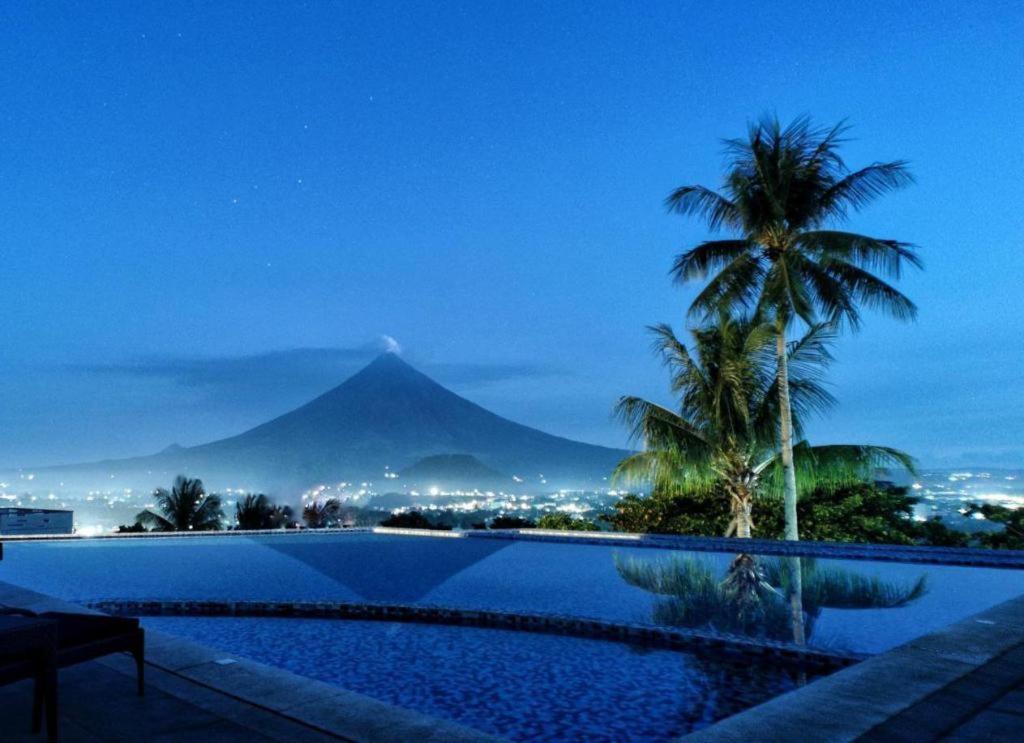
{"points": [[930, 685]]}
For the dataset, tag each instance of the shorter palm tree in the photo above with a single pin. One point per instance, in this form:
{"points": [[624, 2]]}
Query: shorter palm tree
{"points": [[257, 511], [187, 507], [322, 513], [724, 437]]}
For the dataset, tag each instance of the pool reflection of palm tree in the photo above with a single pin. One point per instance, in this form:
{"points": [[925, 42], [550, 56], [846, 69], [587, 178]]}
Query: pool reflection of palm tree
{"points": [[756, 597]]}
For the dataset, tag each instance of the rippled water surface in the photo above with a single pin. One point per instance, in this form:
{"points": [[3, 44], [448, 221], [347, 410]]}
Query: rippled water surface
{"points": [[518, 685], [851, 605]]}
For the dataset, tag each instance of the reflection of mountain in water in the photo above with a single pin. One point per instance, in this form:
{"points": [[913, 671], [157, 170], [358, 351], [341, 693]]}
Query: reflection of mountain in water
{"points": [[397, 574]]}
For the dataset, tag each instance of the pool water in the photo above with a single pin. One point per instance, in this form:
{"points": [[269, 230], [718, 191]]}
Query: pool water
{"points": [[850, 603], [517, 685]]}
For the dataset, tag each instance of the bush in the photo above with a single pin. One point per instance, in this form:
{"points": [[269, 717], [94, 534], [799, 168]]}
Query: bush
{"points": [[863, 513], [666, 513], [1012, 534], [413, 520], [860, 513], [512, 522], [564, 522]]}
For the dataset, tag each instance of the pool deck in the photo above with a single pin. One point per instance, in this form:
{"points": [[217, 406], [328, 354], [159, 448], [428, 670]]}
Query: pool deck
{"points": [[962, 683], [196, 693]]}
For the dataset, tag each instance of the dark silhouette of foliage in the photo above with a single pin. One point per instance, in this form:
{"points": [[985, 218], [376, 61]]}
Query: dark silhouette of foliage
{"points": [[413, 520], [322, 513], [135, 528], [565, 522], [512, 522], [856, 513], [667, 511], [186, 507], [1011, 536], [257, 511]]}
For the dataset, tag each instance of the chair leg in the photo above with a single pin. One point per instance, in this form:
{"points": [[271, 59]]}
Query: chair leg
{"points": [[38, 690], [139, 653], [50, 704]]}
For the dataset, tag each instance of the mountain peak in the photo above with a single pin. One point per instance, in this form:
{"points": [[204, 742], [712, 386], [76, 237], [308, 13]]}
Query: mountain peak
{"points": [[389, 359], [389, 367]]}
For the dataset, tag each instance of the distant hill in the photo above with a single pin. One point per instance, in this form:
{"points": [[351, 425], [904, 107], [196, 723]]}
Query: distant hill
{"points": [[453, 471], [388, 415]]}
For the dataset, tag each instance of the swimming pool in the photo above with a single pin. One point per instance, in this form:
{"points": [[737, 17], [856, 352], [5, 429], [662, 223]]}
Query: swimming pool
{"points": [[521, 686], [849, 607]]}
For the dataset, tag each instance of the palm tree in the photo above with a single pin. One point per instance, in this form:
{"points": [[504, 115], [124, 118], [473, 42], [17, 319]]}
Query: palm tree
{"points": [[186, 507], [322, 513], [723, 438], [783, 189], [753, 598], [256, 511]]}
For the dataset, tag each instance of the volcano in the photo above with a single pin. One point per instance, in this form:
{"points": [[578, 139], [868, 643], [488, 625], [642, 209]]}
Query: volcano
{"points": [[384, 419]]}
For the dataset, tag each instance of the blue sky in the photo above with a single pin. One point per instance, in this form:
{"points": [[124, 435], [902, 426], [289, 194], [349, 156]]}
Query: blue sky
{"points": [[211, 214]]}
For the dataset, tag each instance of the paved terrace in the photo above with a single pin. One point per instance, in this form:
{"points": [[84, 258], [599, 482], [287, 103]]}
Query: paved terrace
{"points": [[194, 693]]}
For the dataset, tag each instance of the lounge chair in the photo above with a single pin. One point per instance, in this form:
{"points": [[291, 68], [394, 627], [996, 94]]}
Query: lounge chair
{"points": [[77, 638], [28, 650]]}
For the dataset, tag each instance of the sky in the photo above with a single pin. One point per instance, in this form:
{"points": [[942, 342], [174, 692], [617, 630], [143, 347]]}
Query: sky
{"points": [[213, 212]]}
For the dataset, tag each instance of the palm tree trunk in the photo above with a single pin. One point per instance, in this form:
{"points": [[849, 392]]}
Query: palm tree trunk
{"points": [[743, 520], [796, 599], [786, 434], [745, 527]]}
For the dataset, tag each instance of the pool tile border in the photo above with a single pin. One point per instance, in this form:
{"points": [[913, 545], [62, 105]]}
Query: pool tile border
{"points": [[641, 634]]}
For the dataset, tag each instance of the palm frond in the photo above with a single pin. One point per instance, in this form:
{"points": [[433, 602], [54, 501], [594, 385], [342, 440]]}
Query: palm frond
{"points": [[835, 466], [658, 427], [833, 588], [872, 291], [808, 357], [154, 521], [827, 295], [709, 256], [208, 514], [735, 287], [710, 205], [810, 354], [666, 471], [784, 296], [676, 576], [869, 253], [858, 189]]}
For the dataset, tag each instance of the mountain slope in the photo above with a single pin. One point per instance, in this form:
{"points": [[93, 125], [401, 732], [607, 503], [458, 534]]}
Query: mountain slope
{"points": [[386, 415]]}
